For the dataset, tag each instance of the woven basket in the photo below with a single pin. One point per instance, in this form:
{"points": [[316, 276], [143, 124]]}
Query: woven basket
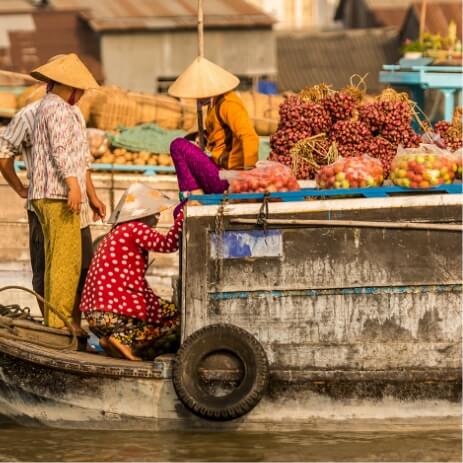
{"points": [[112, 107], [86, 103], [263, 110], [165, 111], [8, 100], [31, 94]]}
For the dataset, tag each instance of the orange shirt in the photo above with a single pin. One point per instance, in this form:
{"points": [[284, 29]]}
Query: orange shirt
{"points": [[231, 138]]}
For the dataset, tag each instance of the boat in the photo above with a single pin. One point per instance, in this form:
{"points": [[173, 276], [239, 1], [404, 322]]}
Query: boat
{"points": [[355, 302]]}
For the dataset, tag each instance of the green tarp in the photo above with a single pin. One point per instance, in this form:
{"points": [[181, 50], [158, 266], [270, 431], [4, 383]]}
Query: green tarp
{"points": [[146, 137]]}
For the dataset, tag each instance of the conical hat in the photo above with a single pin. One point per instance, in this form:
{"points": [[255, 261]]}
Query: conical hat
{"points": [[203, 79], [140, 201], [67, 70]]}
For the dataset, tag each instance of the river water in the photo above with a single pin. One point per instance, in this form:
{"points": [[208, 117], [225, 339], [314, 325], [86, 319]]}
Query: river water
{"points": [[431, 442]]}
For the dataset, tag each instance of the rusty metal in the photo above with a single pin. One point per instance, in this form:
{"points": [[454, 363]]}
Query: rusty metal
{"points": [[149, 14]]}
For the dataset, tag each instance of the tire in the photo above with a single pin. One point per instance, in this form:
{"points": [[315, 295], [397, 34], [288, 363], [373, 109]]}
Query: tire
{"points": [[220, 338]]}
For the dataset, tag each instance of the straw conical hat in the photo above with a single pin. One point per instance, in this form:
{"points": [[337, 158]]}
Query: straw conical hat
{"points": [[203, 79], [140, 201], [67, 70]]}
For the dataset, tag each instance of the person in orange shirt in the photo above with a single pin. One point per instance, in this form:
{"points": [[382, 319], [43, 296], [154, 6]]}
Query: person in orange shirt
{"points": [[231, 139]]}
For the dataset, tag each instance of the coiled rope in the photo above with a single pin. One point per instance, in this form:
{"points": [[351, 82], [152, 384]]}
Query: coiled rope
{"points": [[15, 312]]}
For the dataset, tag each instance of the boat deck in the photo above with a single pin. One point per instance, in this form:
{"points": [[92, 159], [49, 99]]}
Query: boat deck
{"points": [[86, 363]]}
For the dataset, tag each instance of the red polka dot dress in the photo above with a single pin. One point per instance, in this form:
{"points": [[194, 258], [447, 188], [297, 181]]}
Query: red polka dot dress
{"points": [[116, 280]]}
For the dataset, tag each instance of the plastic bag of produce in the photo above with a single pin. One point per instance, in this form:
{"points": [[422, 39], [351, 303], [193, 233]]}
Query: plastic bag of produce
{"points": [[351, 172], [458, 159], [424, 167], [97, 142], [267, 177]]}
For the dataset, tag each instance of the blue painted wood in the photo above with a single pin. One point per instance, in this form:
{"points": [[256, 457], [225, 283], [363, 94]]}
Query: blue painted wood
{"points": [[305, 193], [407, 62], [420, 289], [447, 79], [147, 170], [249, 243]]}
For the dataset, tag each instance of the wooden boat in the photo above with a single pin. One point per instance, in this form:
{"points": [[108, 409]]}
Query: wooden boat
{"points": [[356, 320]]}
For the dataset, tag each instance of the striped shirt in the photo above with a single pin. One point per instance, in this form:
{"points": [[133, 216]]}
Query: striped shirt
{"points": [[16, 140]]}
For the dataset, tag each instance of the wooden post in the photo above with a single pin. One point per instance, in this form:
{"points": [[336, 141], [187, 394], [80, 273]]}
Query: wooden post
{"points": [[202, 141], [423, 19], [200, 28]]}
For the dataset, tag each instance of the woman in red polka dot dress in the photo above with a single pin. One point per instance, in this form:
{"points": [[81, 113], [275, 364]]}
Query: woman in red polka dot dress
{"points": [[117, 301]]}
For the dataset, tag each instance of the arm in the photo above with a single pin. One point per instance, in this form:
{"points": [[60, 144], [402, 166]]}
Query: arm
{"points": [[238, 120], [11, 144], [151, 240], [8, 171], [98, 207]]}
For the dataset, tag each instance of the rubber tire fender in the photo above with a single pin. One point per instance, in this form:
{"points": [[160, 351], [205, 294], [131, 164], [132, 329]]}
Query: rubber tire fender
{"points": [[213, 338]]}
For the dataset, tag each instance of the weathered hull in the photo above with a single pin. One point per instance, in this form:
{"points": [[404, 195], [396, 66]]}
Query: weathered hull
{"points": [[37, 394], [356, 323], [324, 299]]}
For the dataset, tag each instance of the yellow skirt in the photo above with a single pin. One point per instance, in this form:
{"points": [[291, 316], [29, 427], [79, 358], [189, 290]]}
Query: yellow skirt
{"points": [[63, 255]]}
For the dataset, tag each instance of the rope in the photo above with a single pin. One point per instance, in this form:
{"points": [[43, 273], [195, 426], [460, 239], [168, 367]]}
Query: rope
{"points": [[361, 84], [15, 312], [262, 216]]}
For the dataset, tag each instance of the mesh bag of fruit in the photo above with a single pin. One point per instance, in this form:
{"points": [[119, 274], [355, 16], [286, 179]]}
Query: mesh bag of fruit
{"points": [[424, 167], [458, 159], [351, 172], [267, 177]]}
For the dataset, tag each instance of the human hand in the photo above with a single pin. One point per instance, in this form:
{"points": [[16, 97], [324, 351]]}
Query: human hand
{"points": [[74, 199], [98, 208]]}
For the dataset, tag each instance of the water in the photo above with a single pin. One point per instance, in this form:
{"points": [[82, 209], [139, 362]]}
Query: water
{"points": [[416, 443]]}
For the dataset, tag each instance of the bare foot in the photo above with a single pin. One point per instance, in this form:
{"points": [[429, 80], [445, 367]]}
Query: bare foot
{"points": [[109, 349], [126, 351]]}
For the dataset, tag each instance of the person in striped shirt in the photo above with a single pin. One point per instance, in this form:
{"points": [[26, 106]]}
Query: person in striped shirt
{"points": [[16, 140]]}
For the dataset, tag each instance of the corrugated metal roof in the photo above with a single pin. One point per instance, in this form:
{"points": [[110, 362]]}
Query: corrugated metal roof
{"points": [[54, 32], [165, 14], [333, 57]]}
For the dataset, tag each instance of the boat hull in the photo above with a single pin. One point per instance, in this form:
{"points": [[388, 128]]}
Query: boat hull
{"points": [[37, 395]]}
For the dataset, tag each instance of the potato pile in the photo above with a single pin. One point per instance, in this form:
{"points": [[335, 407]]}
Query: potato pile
{"points": [[104, 153], [121, 156]]}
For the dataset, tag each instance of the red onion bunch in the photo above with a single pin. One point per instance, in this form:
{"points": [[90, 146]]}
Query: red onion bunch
{"points": [[350, 132], [283, 140], [451, 137], [294, 113], [383, 150], [372, 115], [404, 136], [442, 127], [318, 118], [340, 106]]}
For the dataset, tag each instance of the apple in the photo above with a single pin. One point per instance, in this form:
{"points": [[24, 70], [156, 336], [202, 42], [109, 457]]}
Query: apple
{"points": [[422, 170], [351, 172]]}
